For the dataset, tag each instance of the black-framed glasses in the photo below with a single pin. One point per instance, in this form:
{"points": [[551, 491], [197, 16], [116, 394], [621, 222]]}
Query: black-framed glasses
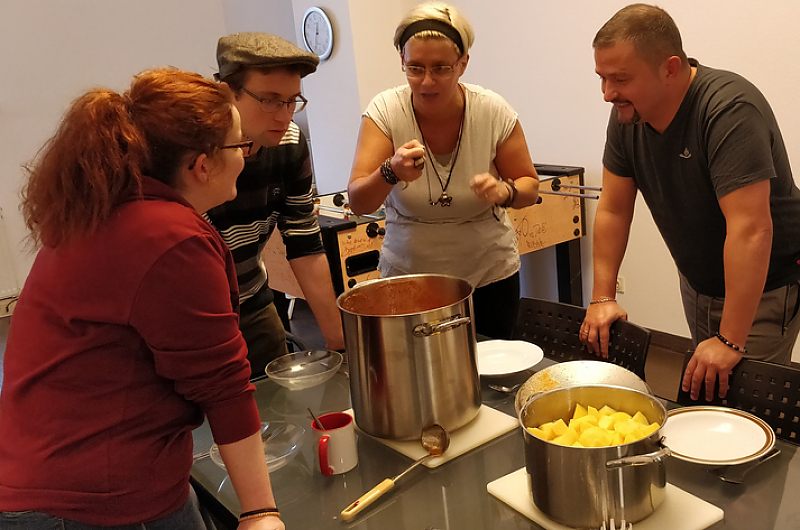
{"points": [[438, 71], [274, 105], [246, 147]]}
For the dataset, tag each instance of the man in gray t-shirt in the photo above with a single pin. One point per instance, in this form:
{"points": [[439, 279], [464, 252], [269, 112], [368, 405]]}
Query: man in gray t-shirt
{"points": [[705, 150]]}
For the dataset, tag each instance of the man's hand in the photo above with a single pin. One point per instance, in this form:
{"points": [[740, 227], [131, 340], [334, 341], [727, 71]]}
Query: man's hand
{"points": [[711, 359], [594, 331], [405, 161]]}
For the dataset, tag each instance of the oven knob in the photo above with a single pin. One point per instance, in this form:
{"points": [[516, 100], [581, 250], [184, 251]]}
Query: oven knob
{"points": [[374, 230], [338, 199], [351, 283]]}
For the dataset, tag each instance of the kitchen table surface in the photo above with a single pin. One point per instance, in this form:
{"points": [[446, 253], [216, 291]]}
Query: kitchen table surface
{"points": [[453, 495]]}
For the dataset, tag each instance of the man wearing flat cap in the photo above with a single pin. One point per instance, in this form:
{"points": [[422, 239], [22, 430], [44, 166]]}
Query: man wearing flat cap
{"points": [[274, 189]]}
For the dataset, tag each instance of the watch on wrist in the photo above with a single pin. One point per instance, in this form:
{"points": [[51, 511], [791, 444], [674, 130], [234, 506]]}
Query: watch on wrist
{"points": [[388, 173]]}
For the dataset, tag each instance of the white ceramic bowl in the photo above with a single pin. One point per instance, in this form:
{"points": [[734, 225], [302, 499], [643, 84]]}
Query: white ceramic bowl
{"points": [[304, 369]]}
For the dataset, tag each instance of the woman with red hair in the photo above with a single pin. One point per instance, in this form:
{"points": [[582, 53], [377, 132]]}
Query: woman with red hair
{"points": [[126, 332]]}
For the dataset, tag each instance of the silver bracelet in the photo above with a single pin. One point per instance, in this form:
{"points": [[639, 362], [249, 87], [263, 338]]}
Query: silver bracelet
{"points": [[602, 300]]}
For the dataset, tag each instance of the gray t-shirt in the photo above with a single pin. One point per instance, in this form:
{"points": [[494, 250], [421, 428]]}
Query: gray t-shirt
{"points": [[723, 137], [468, 239]]}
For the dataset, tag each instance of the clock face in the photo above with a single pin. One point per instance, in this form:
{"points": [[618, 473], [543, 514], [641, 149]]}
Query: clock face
{"points": [[317, 32]]}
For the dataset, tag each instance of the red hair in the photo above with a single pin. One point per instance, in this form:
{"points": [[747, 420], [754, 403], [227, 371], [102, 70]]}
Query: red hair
{"points": [[107, 142]]}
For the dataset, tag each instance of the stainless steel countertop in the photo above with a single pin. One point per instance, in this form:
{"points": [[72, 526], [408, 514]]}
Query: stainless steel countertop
{"points": [[453, 496]]}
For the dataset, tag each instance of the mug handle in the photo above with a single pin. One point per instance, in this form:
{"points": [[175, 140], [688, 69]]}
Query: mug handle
{"points": [[324, 468]]}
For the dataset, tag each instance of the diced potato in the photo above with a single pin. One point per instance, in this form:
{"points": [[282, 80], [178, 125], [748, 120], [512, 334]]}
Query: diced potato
{"points": [[547, 429], [621, 416], [607, 411], [649, 429], [606, 422], [583, 423], [538, 433], [592, 427], [559, 427], [641, 418], [595, 437], [626, 427]]}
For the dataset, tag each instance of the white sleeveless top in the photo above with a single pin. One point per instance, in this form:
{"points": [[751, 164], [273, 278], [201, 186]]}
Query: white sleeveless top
{"points": [[468, 239]]}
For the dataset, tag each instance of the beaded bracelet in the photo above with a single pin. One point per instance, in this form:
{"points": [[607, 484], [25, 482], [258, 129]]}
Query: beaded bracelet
{"points": [[602, 300], [512, 194], [259, 514], [388, 173], [726, 342]]}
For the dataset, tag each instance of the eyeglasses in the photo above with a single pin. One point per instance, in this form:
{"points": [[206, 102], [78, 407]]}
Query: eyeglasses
{"points": [[438, 71], [244, 146], [274, 105]]}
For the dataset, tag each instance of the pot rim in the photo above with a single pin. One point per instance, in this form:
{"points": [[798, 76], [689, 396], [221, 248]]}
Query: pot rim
{"points": [[368, 283], [529, 402]]}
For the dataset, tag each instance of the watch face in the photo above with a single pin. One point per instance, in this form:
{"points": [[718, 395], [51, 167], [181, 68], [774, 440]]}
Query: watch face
{"points": [[317, 34]]}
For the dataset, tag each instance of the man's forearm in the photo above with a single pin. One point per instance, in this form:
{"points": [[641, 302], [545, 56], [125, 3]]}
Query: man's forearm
{"points": [[746, 265], [314, 276], [610, 241]]}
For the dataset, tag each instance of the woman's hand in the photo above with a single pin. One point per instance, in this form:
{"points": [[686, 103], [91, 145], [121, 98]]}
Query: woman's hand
{"points": [[490, 189], [405, 162], [265, 523]]}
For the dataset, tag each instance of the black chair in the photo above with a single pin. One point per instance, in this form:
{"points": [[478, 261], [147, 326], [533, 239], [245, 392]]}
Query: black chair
{"points": [[766, 390], [554, 327]]}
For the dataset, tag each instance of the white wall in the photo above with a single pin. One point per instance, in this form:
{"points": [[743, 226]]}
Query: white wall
{"points": [[55, 51], [539, 56]]}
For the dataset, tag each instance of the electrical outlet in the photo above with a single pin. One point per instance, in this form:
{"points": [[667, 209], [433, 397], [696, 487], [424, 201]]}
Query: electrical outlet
{"points": [[620, 284]]}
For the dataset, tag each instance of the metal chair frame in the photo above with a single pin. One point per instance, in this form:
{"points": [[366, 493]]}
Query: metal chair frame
{"points": [[766, 390], [554, 327]]}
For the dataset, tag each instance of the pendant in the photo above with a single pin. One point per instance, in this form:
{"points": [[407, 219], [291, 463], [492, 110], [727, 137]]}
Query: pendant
{"points": [[445, 199]]}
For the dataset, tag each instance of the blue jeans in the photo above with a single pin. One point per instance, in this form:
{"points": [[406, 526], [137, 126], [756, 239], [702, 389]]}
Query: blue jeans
{"points": [[186, 518]]}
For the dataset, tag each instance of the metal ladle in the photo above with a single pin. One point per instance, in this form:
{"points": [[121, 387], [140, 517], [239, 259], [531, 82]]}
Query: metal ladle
{"points": [[435, 439]]}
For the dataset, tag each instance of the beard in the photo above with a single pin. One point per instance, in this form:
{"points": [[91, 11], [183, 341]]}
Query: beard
{"points": [[636, 118]]}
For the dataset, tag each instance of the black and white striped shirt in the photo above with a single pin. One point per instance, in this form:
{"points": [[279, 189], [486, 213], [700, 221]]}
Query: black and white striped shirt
{"points": [[274, 189]]}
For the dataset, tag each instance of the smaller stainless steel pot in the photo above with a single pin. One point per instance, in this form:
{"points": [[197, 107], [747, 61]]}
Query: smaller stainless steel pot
{"points": [[583, 487]]}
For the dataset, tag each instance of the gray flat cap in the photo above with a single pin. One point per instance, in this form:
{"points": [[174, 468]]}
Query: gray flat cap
{"points": [[253, 49]]}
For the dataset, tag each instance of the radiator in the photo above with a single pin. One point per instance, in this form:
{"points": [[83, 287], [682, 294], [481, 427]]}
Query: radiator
{"points": [[9, 288]]}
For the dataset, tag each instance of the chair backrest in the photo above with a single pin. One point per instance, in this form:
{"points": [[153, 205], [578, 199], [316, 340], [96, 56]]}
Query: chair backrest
{"points": [[767, 390], [554, 327]]}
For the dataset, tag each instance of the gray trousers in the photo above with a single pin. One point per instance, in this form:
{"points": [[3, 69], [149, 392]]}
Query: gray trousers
{"points": [[775, 326]]}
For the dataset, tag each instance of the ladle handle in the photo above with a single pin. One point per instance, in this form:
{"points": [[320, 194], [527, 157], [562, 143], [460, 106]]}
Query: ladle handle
{"points": [[367, 499]]}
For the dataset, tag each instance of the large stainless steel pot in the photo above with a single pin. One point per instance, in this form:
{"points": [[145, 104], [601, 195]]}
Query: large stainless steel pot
{"points": [[411, 351], [584, 486]]}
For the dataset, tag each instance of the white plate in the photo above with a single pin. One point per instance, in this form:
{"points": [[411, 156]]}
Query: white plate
{"points": [[716, 435], [506, 357]]}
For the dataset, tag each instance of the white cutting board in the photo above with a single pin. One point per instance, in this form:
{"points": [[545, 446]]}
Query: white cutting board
{"points": [[487, 425], [679, 511]]}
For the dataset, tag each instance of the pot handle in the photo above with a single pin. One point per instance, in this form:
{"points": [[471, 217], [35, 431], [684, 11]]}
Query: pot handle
{"points": [[428, 329], [641, 460]]}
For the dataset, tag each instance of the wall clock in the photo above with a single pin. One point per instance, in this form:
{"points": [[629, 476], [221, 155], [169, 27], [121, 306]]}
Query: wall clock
{"points": [[317, 32]]}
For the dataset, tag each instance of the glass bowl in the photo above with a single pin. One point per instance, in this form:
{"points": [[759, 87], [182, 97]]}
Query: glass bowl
{"points": [[282, 441], [304, 369]]}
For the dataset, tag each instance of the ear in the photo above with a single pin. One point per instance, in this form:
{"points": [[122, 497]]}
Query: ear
{"points": [[199, 170], [672, 68], [465, 61]]}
